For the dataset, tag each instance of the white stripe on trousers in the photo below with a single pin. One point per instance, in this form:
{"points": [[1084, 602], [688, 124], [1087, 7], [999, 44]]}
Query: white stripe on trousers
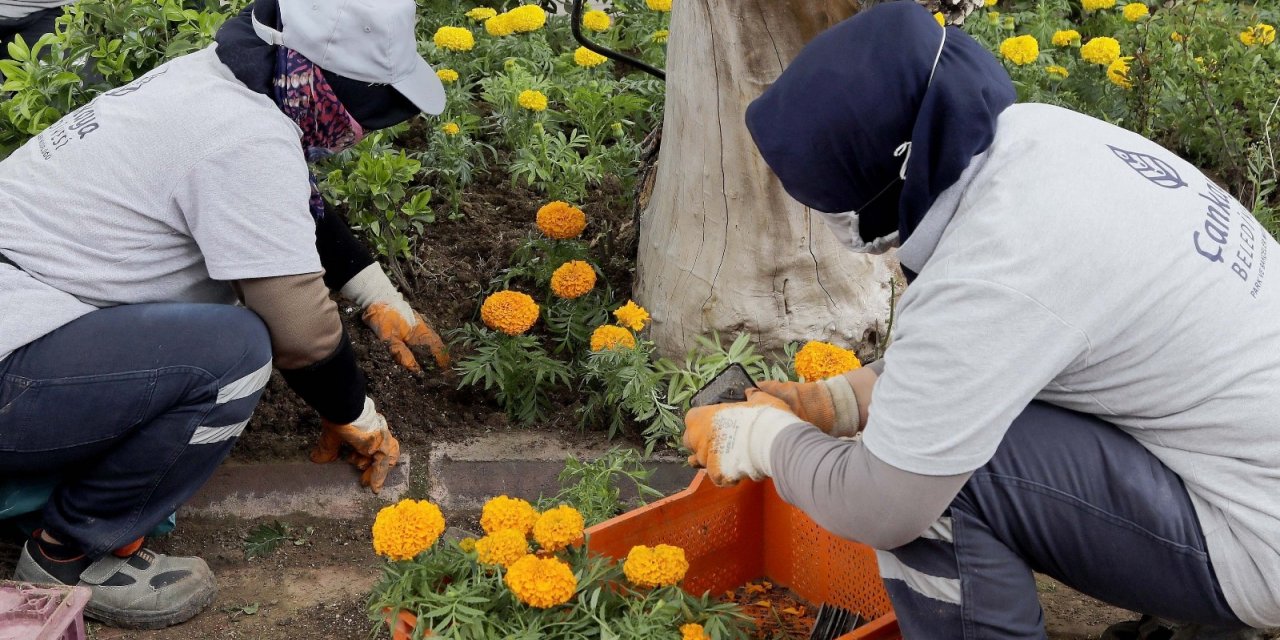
{"points": [[944, 589], [240, 388]]}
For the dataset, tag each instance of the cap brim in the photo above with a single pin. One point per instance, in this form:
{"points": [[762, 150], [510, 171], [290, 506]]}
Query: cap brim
{"points": [[423, 88]]}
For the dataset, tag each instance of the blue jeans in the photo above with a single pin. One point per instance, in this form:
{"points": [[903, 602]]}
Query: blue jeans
{"points": [[1067, 495], [133, 407]]}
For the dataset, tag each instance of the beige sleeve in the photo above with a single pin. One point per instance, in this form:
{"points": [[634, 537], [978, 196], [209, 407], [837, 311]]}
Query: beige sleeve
{"points": [[302, 320]]}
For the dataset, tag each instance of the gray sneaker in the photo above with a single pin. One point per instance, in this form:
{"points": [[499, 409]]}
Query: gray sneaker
{"points": [[146, 590]]}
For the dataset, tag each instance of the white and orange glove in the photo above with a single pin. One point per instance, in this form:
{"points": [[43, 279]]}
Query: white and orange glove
{"points": [[732, 441], [829, 405], [392, 319], [373, 449]]}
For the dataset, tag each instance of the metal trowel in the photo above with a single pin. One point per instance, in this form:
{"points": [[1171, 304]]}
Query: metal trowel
{"points": [[730, 385]]}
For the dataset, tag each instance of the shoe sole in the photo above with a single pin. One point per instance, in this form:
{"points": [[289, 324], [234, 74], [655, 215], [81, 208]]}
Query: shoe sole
{"points": [[125, 619]]}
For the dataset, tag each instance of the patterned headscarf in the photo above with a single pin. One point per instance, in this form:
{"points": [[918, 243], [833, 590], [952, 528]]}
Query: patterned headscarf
{"points": [[304, 95]]}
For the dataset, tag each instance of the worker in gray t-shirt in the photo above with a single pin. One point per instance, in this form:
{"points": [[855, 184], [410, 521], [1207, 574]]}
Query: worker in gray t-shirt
{"points": [[1084, 377], [134, 227]]}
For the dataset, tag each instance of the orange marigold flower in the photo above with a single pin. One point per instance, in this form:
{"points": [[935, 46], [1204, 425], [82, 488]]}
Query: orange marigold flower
{"points": [[822, 360], [558, 528], [693, 631], [407, 528], [659, 566], [510, 312], [504, 512], [561, 221], [573, 279], [632, 316], [610, 336], [503, 547], [541, 582]]}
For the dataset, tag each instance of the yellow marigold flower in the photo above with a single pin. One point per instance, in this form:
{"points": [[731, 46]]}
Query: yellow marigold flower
{"points": [[660, 36], [527, 18], [561, 221], [658, 5], [510, 312], [499, 25], [407, 528], [541, 582], [694, 631], [822, 360], [533, 100], [989, 3], [658, 566], [942, 20], [1065, 38], [1020, 50], [447, 75], [467, 544], [1102, 50], [573, 279], [450, 128], [596, 20], [1260, 34], [1135, 11], [504, 512], [584, 57], [480, 14], [1177, 37], [503, 547], [454, 39], [610, 336], [1118, 72], [632, 316], [1098, 5], [1056, 70], [558, 528]]}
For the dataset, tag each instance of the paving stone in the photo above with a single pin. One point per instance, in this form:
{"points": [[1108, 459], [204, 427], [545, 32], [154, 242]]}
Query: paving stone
{"points": [[254, 490], [462, 476]]}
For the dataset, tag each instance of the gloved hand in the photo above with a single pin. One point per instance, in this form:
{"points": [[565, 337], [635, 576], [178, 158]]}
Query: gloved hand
{"points": [[392, 319], [829, 405], [732, 441], [374, 449]]}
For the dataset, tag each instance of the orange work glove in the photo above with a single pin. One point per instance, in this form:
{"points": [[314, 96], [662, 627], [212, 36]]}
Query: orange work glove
{"points": [[829, 405], [732, 441], [392, 319], [392, 329], [373, 449]]}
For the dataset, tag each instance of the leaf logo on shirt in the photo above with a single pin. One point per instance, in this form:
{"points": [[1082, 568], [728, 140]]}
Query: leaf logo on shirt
{"points": [[1150, 167]]}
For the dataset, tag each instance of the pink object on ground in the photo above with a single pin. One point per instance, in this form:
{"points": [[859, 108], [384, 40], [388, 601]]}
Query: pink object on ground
{"points": [[41, 612]]}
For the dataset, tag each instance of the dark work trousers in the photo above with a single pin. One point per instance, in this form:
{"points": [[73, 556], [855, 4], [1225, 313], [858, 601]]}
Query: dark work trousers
{"points": [[1067, 495], [134, 407], [30, 28]]}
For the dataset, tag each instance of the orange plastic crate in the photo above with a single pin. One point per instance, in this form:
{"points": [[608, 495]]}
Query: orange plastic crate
{"points": [[723, 533]]}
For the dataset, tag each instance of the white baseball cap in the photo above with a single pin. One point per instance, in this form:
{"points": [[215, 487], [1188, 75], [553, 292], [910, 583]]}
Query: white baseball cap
{"points": [[371, 41]]}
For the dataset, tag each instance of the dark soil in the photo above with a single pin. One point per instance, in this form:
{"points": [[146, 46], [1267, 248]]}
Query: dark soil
{"points": [[452, 270]]}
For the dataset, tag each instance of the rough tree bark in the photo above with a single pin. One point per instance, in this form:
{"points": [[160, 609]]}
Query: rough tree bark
{"points": [[722, 246]]}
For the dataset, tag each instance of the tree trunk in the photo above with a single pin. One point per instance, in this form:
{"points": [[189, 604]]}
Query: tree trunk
{"points": [[722, 246]]}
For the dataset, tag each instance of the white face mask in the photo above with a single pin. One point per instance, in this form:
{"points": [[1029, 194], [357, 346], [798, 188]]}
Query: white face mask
{"points": [[845, 225]]}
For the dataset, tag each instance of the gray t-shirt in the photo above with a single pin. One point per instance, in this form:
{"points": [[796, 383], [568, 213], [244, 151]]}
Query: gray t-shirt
{"points": [[1080, 264], [163, 190]]}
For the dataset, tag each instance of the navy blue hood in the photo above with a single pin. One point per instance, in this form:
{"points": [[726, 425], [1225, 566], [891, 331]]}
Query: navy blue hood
{"points": [[831, 123]]}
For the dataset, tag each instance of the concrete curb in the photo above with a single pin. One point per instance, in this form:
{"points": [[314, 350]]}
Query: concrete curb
{"points": [[523, 464], [277, 489]]}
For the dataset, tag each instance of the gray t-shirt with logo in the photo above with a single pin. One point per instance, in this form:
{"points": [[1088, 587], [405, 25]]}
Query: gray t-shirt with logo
{"points": [[163, 190], [1085, 266]]}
